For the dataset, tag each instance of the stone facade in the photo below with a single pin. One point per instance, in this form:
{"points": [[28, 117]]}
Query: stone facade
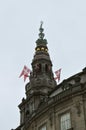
{"points": [[49, 106]]}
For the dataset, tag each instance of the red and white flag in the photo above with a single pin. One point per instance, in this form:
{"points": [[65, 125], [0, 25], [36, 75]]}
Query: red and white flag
{"points": [[25, 72], [58, 73]]}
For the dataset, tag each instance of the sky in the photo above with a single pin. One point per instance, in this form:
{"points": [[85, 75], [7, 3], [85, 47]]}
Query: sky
{"points": [[65, 30]]}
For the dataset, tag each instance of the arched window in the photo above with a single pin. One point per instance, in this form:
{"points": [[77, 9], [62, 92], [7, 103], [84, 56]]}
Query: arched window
{"points": [[47, 68], [38, 67]]}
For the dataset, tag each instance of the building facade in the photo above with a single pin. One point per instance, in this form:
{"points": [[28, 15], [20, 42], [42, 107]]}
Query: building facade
{"points": [[49, 106]]}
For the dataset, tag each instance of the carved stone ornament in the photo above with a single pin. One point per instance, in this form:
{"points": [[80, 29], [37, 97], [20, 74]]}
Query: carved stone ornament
{"points": [[78, 107], [51, 117]]}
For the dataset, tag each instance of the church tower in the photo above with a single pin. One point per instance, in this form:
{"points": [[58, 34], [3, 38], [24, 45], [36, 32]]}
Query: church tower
{"points": [[41, 77], [41, 81], [48, 106]]}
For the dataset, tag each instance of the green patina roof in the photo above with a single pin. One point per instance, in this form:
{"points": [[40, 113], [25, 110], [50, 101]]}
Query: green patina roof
{"points": [[41, 40]]}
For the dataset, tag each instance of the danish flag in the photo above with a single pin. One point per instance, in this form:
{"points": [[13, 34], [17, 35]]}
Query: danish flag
{"points": [[25, 72], [58, 73]]}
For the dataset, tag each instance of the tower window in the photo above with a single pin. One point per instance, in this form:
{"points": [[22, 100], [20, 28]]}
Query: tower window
{"points": [[46, 68], [42, 48], [46, 50], [38, 49], [37, 67]]}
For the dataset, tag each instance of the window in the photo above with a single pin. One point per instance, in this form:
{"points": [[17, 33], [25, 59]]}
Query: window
{"points": [[65, 121], [37, 67], [46, 68], [43, 127]]}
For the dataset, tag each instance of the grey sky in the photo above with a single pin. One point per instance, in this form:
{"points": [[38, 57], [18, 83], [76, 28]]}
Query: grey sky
{"points": [[65, 31]]}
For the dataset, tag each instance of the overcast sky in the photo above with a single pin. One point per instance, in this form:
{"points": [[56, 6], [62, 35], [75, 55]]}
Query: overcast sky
{"points": [[65, 30]]}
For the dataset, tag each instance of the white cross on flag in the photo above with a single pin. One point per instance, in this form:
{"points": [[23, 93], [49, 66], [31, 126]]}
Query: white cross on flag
{"points": [[25, 72], [58, 72]]}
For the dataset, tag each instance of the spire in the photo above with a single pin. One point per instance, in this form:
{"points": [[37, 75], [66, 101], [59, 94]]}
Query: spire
{"points": [[41, 34], [41, 40]]}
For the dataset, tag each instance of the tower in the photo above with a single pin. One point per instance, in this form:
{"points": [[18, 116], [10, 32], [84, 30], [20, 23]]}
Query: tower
{"points": [[41, 81], [48, 106], [41, 77]]}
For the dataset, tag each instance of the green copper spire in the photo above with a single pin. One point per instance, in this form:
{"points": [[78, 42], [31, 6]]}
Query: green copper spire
{"points": [[41, 40]]}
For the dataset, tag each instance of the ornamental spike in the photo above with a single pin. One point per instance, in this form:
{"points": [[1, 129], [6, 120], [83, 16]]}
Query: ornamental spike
{"points": [[41, 34]]}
